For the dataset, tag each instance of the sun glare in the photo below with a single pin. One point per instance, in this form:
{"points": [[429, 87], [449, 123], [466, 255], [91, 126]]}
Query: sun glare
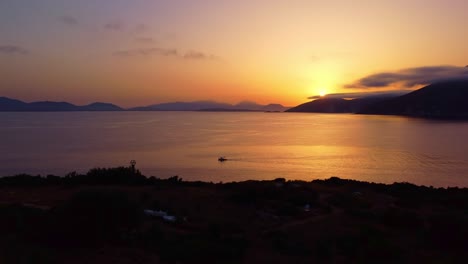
{"points": [[322, 93]]}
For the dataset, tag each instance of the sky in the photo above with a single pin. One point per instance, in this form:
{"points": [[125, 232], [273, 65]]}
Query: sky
{"points": [[141, 52]]}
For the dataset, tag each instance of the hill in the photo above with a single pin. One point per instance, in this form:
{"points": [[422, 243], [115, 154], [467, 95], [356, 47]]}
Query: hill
{"points": [[324, 105], [102, 107], [337, 104], [210, 106], [48, 106], [182, 106], [8, 104], [13, 105], [274, 108], [448, 99]]}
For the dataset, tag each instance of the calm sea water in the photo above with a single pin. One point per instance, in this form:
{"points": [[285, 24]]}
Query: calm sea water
{"points": [[258, 145]]}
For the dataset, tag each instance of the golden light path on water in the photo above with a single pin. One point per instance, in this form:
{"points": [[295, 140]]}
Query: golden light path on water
{"points": [[258, 145]]}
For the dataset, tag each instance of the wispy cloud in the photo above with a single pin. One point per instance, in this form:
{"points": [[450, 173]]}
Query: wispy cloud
{"points": [[148, 52], [68, 20], [115, 26], [13, 50], [197, 55], [411, 77], [145, 52], [362, 94], [141, 28], [146, 40]]}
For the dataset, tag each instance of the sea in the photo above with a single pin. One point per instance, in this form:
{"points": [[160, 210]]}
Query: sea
{"points": [[257, 145]]}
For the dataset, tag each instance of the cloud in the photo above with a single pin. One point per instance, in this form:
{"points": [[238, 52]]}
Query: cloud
{"points": [[411, 77], [115, 26], [362, 94], [68, 20], [13, 50], [141, 28], [145, 40], [170, 35], [145, 52], [197, 55]]}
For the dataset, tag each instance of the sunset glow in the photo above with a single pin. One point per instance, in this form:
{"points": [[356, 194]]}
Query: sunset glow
{"points": [[233, 131], [143, 52]]}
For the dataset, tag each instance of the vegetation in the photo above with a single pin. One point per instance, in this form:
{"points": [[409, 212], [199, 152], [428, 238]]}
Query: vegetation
{"points": [[99, 217]]}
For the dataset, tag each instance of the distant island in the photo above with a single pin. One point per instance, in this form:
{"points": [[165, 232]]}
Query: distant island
{"points": [[446, 99], [14, 105], [211, 106]]}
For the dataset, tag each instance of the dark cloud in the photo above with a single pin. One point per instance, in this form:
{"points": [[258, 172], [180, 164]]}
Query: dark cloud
{"points": [[411, 77], [68, 20], [115, 26], [13, 50], [362, 94], [145, 40], [147, 52]]}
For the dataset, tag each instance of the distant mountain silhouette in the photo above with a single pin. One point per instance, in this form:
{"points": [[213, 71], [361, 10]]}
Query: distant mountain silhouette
{"points": [[7, 104], [274, 108], [101, 107], [47, 106], [447, 99], [13, 105], [210, 106], [248, 105], [324, 105], [226, 110], [182, 106], [340, 105]]}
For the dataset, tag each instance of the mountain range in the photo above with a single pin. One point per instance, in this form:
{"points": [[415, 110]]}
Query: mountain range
{"points": [[13, 105], [447, 99], [341, 105], [211, 106]]}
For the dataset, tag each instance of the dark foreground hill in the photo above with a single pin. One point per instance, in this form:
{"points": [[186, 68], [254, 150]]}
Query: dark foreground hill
{"points": [[103, 217], [340, 105], [447, 99], [325, 105]]}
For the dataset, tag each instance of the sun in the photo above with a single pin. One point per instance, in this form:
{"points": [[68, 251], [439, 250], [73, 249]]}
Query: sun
{"points": [[322, 92]]}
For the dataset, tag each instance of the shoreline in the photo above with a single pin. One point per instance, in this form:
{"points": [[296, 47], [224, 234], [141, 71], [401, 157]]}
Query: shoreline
{"points": [[74, 177]]}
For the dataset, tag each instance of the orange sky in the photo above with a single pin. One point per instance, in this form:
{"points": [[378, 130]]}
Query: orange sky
{"points": [[142, 52]]}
